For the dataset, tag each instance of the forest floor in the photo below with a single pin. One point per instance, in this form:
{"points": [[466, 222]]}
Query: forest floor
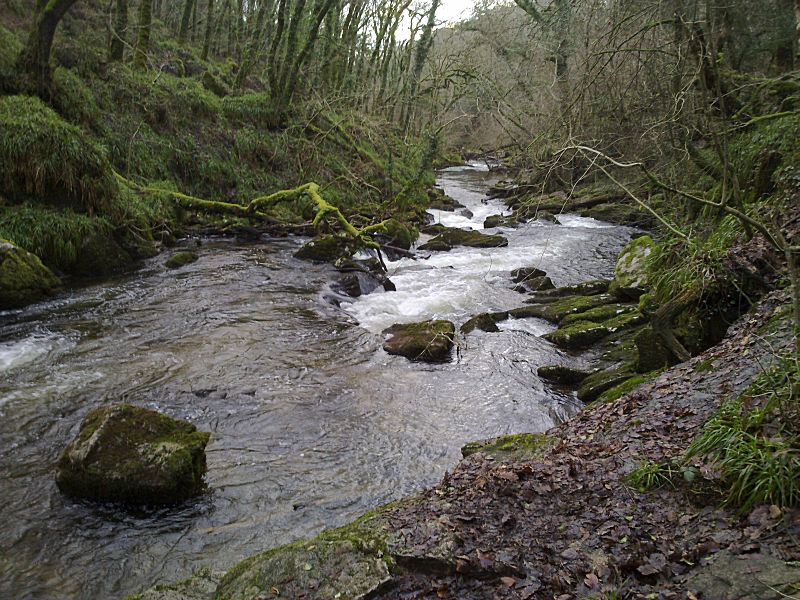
{"points": [[563, 522]]}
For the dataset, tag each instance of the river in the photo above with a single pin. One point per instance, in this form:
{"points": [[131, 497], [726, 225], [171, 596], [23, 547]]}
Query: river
{"points": [[312, 422]]}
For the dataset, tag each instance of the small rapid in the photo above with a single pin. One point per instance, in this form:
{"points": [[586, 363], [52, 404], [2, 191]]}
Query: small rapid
{"points": [[312, 423]]}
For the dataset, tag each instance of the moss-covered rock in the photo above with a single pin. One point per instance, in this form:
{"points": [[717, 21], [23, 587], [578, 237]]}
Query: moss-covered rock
{"points": [[599, 382], [441, 201], [493, 221], [631, 277], [562, 374], [435, 245], [582, 334], [200, 586], [328, 248], [429, 341], [180, 259], [516, 445], [347, 563], [600, 313], [452, 237], [101, 254], [399, 235], [485, 322], [560, 308], [626, 387], [134, 455], [23, 277]]}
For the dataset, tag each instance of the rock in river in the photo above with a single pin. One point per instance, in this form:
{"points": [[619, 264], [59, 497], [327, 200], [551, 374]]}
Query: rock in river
{"points": [[429, 341], [134, 455]]}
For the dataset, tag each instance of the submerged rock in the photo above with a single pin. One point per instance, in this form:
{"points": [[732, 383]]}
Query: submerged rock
{"points": [[562, 374], [485, 322], [429, 341], [134, 455], [347, 563], [451, 237], [23, 277], [181, 259]]}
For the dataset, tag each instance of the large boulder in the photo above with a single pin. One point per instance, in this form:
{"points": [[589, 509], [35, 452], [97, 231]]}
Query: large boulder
{"points": [[631, 279], [429, 341], [23, 277], [133, 455]]}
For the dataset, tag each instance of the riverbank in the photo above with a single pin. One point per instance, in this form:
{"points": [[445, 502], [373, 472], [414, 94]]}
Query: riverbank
{"points": [[563, 514]]}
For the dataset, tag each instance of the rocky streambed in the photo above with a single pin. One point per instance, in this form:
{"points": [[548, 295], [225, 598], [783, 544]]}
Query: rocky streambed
{"points": [[312, 422]]}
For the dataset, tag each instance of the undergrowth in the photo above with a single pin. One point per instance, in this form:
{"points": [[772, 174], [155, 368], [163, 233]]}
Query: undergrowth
{"points": [[754, 440]]}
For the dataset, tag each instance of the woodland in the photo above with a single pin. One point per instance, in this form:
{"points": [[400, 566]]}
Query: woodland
{"points": [[128, 125]]}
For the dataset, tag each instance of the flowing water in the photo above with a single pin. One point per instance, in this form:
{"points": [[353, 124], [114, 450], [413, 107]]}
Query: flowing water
{"points": [[312, 422]]}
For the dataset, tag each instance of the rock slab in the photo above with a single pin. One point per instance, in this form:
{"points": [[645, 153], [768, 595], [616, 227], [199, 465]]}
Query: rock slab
{"points": [[133, 455]]}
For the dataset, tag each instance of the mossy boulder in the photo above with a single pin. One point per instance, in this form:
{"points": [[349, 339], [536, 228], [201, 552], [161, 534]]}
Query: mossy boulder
{"points": [[516, 445], [582, 334], [435, 245], [526, 273], [626, 387], [328, 248], [562, 374], [181, 259], [485, 322], [441, 201], [631, 277], [429, 341], [23, 277], [133, 455], [452, 237], [493, 221], [347, 563]]}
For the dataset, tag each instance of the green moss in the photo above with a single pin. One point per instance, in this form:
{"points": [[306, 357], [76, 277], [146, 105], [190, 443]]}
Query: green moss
{"points": [[705, 366], [73, 98], [597, 383], [512, 446], [560, 308], [600, 313], [562, 374], [56, 236], [10, 47], [254, 109], [626, 386], [327, 248], [43, 157]]}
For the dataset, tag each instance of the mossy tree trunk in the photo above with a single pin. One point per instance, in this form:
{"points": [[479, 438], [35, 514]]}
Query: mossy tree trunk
{"points": [[34, 61], [116, 50], [209, 29], [188, 7], [143, 38], [425, 43], [254, 44]]}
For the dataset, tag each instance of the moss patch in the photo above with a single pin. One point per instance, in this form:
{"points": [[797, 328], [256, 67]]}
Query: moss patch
{"points": [[429, 341], [517, 445], [181, 259], [582, 334], [23, 277]]}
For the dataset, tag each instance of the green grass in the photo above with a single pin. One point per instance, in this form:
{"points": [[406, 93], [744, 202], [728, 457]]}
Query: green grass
{"points": [[650, 475], [55, 236], [754, 440], [44, 158]]}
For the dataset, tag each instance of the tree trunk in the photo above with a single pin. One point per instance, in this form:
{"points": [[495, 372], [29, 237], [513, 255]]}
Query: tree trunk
{"points": [[34, 61], [209, 29], [185, 20], [143, 39], [117, 49]]}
